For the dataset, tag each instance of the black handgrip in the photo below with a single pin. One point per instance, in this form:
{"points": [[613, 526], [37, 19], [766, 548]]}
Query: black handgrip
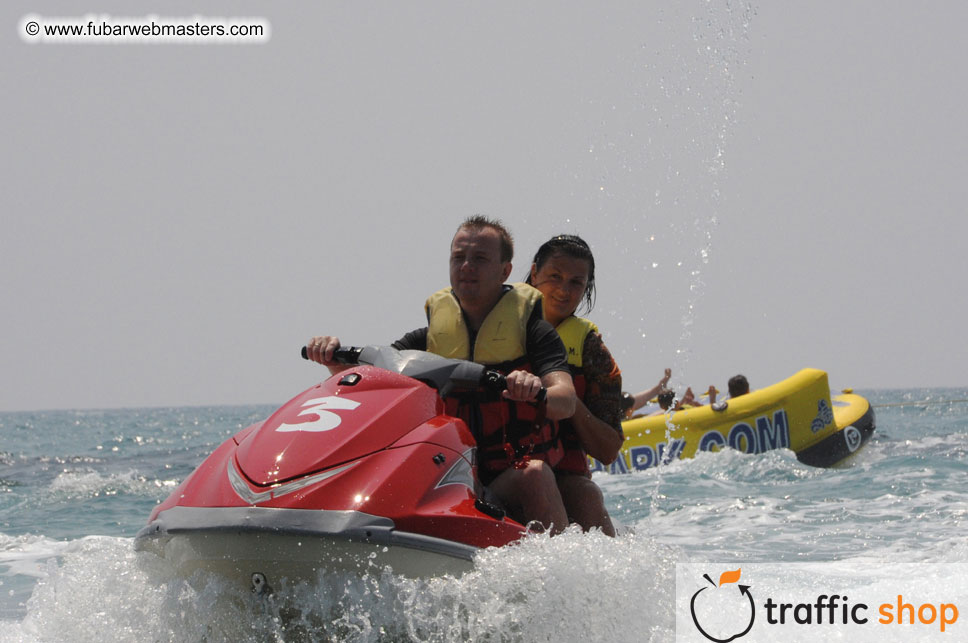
{"points": [[343, 354], [494, 381]]}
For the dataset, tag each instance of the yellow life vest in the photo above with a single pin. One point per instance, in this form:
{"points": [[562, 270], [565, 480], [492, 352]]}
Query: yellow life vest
{"points": [[506, 432], [502, 336], [573, 331]]}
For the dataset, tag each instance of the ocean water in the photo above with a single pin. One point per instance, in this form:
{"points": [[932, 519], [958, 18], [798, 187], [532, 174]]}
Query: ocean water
{"points": [[75, 487]]}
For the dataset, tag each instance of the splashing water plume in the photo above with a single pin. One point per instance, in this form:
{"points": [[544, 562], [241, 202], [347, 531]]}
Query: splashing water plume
{"points": [[518, 593], [662, 161]]}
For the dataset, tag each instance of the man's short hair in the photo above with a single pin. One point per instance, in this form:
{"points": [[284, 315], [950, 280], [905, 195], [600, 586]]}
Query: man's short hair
{"points": [[479, 221], [738, 385]]}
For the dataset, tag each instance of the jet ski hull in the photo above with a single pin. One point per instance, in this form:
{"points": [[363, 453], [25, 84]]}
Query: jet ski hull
{"points": [[256, 545], [363, 472]]}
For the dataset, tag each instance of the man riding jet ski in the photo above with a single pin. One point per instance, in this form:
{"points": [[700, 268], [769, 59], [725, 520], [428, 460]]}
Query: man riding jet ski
{"points": [[482, 319], [377, 465]]}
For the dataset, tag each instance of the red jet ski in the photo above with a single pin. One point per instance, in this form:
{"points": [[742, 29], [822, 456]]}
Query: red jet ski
{"points": [[364, 469]]}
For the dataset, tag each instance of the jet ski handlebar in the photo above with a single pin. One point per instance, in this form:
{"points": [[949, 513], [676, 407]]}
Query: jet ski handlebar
{"points": [[343, 354], [489, 380], [498, 383]]}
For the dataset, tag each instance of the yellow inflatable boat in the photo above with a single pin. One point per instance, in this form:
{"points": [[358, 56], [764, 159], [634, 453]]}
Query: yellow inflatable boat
{"points": [[798, 414]]}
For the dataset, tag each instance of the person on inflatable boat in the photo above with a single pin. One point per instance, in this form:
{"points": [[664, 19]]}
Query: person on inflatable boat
{"points": [[666, 399], [564, 271], [480, 318], [736, 386], [633, 402]]}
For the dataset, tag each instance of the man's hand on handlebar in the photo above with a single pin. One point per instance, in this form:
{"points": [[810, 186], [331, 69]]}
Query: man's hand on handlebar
{"points": [[522, 386], [321, 350]]}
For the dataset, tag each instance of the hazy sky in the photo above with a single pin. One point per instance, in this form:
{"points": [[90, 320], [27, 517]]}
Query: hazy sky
{"points": [[765, 188]]}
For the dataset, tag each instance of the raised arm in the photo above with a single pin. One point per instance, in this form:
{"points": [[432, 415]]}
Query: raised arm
{"points": [[642, 397]]}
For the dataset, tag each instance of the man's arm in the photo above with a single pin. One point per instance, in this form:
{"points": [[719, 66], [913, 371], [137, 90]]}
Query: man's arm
{"points": [[546, 355], [414, 340], [320, 349], [560, 397]]}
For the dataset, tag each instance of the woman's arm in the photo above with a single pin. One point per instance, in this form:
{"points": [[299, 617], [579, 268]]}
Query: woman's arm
{"points": [[600, 440], [598, 417]]}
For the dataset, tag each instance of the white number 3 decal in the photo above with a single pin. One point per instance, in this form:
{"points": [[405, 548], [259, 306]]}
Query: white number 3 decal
{"points": [[322, 407]]}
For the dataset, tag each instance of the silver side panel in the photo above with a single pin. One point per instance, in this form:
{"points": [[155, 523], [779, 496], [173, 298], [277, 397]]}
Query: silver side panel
{"points": [[296, 544]]}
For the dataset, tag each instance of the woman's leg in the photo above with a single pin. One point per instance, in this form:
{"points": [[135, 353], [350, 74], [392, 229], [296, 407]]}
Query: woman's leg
{"points": [[584, 502]]}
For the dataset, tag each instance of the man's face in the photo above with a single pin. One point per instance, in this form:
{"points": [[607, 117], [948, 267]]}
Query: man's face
{"points": [[476, 270]]}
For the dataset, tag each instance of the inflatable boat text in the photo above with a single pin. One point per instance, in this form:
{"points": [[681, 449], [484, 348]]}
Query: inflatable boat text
{"points": [[766, 435]]}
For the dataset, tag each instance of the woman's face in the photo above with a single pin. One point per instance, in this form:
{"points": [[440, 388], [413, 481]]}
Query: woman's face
{"points": [[562, 281]]}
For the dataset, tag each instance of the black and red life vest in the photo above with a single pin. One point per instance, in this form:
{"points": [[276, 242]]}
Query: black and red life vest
{"points": [[506, 432]]}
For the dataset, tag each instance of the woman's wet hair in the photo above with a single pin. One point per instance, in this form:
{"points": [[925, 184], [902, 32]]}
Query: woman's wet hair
{"points": [[573, 246]]}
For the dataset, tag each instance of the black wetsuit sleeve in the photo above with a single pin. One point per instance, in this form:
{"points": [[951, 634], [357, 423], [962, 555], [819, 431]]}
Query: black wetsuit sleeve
{"points": [[414, 340], [546, 352]]}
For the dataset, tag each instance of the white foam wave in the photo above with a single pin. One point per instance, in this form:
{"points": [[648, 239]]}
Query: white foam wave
{"points": [[76, 485], [544, 589], [571, 587], [28, 555], [771, 508]]}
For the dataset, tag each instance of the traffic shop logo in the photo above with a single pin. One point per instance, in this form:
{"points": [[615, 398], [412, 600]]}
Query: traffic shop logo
{"points": [[712, 601], [726, 611]]}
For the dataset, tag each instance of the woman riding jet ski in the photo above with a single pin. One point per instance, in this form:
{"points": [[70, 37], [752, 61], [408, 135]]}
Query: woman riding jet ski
{"points": [[364, 469]]}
